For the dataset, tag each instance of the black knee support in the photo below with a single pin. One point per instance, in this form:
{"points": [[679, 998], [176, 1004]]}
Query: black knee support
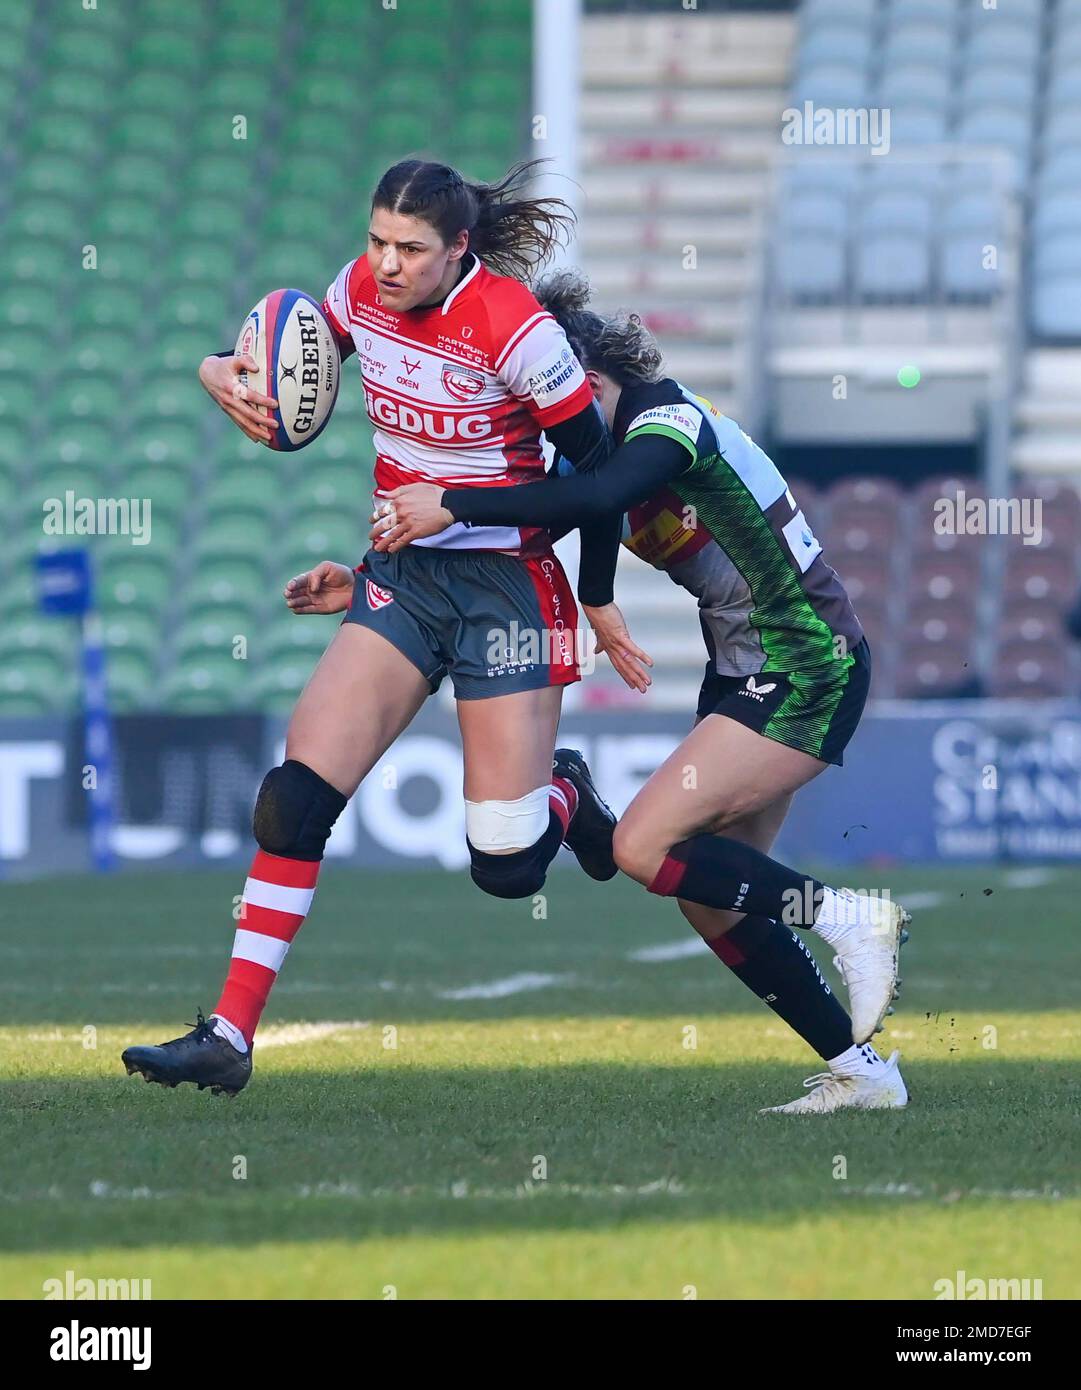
{"points": [[295, 811], [516, 875]]}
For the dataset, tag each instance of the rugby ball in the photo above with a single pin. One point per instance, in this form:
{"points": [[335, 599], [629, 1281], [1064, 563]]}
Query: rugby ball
{"points": [[299, 364]]}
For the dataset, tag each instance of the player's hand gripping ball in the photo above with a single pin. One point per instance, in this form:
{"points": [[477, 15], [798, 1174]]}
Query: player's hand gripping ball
{"points": [[299, 365]]}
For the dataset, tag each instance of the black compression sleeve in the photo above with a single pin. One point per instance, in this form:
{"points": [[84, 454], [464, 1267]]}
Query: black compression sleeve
{"points": [[634, 472], [582, 440]]}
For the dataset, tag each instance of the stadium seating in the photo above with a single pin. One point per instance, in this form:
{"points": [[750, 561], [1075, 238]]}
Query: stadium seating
{"points": [[121, 133]]}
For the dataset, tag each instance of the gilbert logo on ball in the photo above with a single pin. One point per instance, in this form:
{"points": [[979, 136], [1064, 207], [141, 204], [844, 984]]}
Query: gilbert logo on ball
{"points": [[299, 364]]}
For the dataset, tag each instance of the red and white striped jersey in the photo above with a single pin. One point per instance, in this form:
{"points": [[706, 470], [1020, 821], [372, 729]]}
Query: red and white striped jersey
{"points": [[458, 393]]}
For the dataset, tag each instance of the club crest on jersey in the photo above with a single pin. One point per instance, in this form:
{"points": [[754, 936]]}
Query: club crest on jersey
{"points": [[754, 691], [377, 597], [462, 383]]}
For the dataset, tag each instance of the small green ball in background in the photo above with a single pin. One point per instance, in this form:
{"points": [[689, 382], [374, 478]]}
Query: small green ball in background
{"points": [[909, 376]]}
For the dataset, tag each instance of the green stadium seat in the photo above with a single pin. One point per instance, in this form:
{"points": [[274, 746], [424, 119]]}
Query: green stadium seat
{"points": [[235, 451], [165, 445], [496, 90], [87, 92], [87, 397], [276, 687], [237, 491], [43, 217], [347, 442], [157, 91], [170, 494], [193, 306], [13, 54], [57, 175], [149, 133], [31, 259], [295, 638], [177, 353], [326, 87], [28, 304], [321, 176], [128, 262], [129, 680], [227, 537], [344, 542], [13, 448], [505, 50], [104, 350], [210, 217], [220, 174], [334, 49], [246, 50], [190, 18], [293, 265], [132, 631], [135, 582], [136, 175], [483, 135], [203, 684], [316, 131], [236, 86], [344, 490], [129, 220], [297, 219], [21, 703], [216, 131], [85, 478], [40, 685], [206, 261], [178, 397], [18, 399], [347, 16], [333, 524], [417, 46], [244, 14], [414, 131], [234, 584], [167, 50], [34, 634], [15, 20], [215, 632], [78, 443], [108, 306], [65, 133], [86, 48], [405, 88]]}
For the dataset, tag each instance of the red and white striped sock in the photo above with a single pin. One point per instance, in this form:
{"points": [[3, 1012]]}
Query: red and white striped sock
{"points": [[563, 800], [276, 899]]}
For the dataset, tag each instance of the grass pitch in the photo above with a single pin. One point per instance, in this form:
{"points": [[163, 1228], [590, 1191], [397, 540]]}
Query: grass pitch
{"points": [[453, 1098]]}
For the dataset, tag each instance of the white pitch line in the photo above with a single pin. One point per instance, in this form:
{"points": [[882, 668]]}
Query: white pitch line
{"points": [[1028, 878], [920, 900], [671, 950], [501, 989], [290, 1034]]}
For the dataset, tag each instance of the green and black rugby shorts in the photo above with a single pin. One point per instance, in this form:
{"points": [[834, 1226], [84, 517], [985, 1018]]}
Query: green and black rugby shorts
{"points": [[497, 623], [815, 711]]}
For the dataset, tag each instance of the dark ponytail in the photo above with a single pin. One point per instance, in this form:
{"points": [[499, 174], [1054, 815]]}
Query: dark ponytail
{"points": [[512, 236]]}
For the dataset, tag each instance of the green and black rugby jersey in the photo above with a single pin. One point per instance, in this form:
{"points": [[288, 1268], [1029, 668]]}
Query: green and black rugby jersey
{"points": [[706, 505]]}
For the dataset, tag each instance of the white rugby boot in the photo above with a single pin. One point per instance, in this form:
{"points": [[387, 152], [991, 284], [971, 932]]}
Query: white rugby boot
{"points": [[867, 959], [883, 1089]]}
